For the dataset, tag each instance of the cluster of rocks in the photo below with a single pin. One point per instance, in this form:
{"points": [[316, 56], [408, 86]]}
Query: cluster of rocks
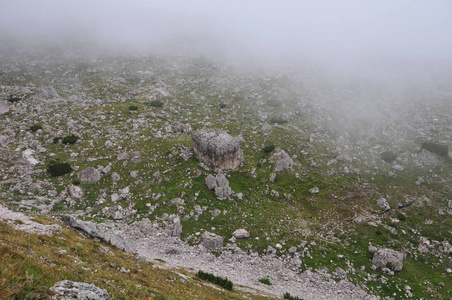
{"points": [[220, 184]]}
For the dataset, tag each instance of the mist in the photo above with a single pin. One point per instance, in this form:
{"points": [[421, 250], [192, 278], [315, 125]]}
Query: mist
{"points": [[327, 32], [358, 50]]}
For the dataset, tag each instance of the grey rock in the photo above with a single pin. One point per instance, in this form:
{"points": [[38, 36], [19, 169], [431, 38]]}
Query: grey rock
{"points": [[266, 129], [282, 160], [272, 177], [388, 258], [89, 175], [223, 192], [221, 180], [115, 177], [47, 92], [75, 191], [241, 234], [211, 182], [94, 231], [211, 241], [218, 148], [215, 213], [314, 190], [3, 109], [69, 290], [383, 203]]}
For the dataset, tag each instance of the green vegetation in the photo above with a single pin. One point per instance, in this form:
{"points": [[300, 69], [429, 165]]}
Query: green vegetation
{"points": [[133, 108], [435, 148], [30, 264], [388, 156], [69, 139], [265, 281], [290, 297], [58, 169], [35, 128], [223, 282], [268, 148], [13, 98], [156, 103]]}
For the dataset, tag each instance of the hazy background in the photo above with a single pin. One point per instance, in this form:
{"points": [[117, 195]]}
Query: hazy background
{"points": [[334, 32]]}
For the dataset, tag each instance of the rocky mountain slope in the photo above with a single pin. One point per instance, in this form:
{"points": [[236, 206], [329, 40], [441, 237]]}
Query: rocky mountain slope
{"points": [[329, 189]]}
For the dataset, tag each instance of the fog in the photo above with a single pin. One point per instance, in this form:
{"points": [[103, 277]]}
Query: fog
{"points": [[394, 45], [332, 32]]}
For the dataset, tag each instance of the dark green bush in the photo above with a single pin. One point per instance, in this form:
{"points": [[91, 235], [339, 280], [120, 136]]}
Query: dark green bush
{"points": [[223, 105], [278, 120], [400, 216], [76, 182], [13, 99], [57, 139], [268, 148], [223, 282], [388, 156], [290, 297], [156, 103], [265, 281], [58, 169], [435, 148], [133, 108], [69, 139], [35, 128]]}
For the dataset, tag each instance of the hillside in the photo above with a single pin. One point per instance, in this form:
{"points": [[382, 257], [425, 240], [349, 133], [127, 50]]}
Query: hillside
{"points": [[366, 166]]}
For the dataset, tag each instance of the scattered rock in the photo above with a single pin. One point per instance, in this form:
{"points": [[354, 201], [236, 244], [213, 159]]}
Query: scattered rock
{"points": [[69, 290], [3, 109], [383, 203], [241, 234], [46, 92], [29, 156], [75, 191], [282, 160], [217, 148], [388, 258], [314, 190], [89, 175], [211, 241]]}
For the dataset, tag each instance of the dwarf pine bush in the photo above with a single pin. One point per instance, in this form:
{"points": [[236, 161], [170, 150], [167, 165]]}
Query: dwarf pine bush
{"points": [[223, 282], [58, 169]]}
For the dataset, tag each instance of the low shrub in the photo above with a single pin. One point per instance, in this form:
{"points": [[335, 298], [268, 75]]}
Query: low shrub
{"points": [[435, 148], [57, 169], [265, 281], [223, 105], [70, 139], [57, 139], [278, 120], [388, 156], [223, 282], [290, 297], [400, 216], [268, 148], [35, 128], [133, 108], [156, 103], [76, 182], [13, 99]]}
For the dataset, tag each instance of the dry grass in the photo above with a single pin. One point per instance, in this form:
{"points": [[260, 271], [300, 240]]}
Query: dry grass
{"points": [[32, 263]]}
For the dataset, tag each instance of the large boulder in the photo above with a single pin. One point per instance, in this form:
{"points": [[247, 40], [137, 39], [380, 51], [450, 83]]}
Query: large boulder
{"points": [[47, 92], [211, 241], [89, 175], [218, 148], [388, 258], [282, 160], [70, 290]]}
